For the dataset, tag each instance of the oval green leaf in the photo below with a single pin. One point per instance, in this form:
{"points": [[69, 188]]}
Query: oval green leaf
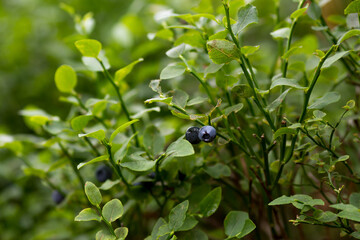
{"points": [[88, 214], [112, 210], [88, 47], [65, 79], [93, 193]]}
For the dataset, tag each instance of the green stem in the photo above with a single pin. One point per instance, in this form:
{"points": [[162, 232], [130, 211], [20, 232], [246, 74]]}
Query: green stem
{"points": [[121, 100], [73, 165]]}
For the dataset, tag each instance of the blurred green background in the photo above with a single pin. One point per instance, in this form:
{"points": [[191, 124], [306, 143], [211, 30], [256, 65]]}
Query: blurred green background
{"points": [[37, 37]]}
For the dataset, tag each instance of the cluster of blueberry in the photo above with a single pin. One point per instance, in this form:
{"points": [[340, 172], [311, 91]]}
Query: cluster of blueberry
{"points": [[195, 134]]}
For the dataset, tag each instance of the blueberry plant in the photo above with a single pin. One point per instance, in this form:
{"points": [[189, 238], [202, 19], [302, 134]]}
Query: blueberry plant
{"points": [[237, 139]]}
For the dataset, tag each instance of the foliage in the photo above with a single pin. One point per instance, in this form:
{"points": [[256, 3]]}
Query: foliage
{"points": [[279, 88]]}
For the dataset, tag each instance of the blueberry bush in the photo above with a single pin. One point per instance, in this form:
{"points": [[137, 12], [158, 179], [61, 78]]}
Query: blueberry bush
{"points": [[223, 119]]}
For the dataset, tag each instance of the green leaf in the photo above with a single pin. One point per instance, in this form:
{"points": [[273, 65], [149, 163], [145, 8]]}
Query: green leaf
{"points": [[314, 11], [351, 215], [345, 207], [65, 79], [93, 193], [78, 123], [154, 233], [120, 154], [291, 52], [281, 33], [123, 72], [248, 50], [233, 109], [319, 114], [355, 235], [353, 7], [153, 141], [172, 71], [28, 171], [108, 184], [237, 224], [112, 210], [99, 135], [222, 51], [189, 223], [88, 47], [355, 199], [121, 233], [328, 98], [104, 235], [88, 214], [246, 16], [210, 202], [298, 13], [138, 165], [348, 34], [175, 52], [143, 112], [95, 160], [281, 201], [349, 105], [121, 128], [325, 216], [212, 68], [160, 99], [276, 103], [177, 215], [218, 170], [285, 82], [282, 131], [328, 62], [180, 148], [242, 91], [196, 234]]}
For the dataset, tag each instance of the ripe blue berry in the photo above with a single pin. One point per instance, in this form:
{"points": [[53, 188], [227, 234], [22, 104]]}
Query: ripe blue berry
{"points": [[192, 135], [57, 197], [207, 134], [103, 173]]}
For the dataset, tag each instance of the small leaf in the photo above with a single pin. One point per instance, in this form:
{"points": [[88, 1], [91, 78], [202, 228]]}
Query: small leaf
{"points": [[248, 50], [218, 170], [353, 7], [88, 214], [272, 106], [112, 210], [95, 160], [348, 34], [65, 79], [180, 148], [79, 123], [328, 98], [314, 11], [154, 233], [93, 193], [212, 68], [123, 72], [237, 224], [121, 128], [172, 71], [281, 33], [282, 131], [281, 201], [189, 223], [328, 62], [175, 52], [319, 114], [349, 105], [233, 109], [242, 91], [177, 215], [246, 15], [298, 13], [222, 51], [153, 141], [143, 112], [291, 52], [210, 202], [120, 154], [351, 215], [88, 47], [139, 165], [286, 82], [354, 198], [345, 207], [121, 233], [325, 216], [99, 135], [104, 235], [160, 99]]}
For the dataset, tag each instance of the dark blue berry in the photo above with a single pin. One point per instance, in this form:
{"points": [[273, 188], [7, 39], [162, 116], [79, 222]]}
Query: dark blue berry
{"points": [[207, 134], [192, 135], [57, 197], [145, 184], [103, 173], [181, 176]]}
